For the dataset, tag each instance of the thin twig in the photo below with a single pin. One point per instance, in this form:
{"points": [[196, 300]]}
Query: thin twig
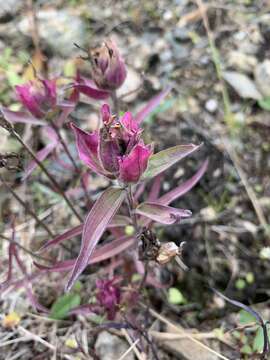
{"points": [[129, 340], [44, 169], [65, 147], [26, 207], [27, 251]]}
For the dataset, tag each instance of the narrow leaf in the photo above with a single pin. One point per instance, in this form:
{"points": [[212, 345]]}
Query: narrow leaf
{"points": [[117, 221], [164, 159], [163, 214], [151, 105], [41, 156], [21, 117], [64, 304], [95, 224], [155, 189], [185, 187], [101, 253]]}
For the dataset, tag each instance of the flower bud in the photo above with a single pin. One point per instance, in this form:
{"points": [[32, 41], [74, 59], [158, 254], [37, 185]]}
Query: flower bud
{"points": [[108, 67], [38, 96], [132, 166]]}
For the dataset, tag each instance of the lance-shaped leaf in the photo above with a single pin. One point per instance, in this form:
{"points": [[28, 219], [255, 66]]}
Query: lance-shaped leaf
{"points": [[95, 224], [182, 189], [164, 159], [88, 88], [41, 156], [162, 214], [151, 105], [117, 221], [101, 253], [21, 117]]}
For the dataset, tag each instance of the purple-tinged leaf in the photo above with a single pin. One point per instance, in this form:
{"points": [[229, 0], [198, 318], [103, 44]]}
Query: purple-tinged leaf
{"points": [[87, 146], [102, 253], [164, 159], [67, 106], [185, 187], [155, 188], [151, 105], [69, 234], [88, 88], [95, 224], [21, 117], [162, 214], [117, 221], [139, 191], [41, 156]]}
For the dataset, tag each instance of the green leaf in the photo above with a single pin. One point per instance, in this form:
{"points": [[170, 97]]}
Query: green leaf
{"points": [[175, 296], [265, 103], [64, 304], [258, 340], [164, 159], [246, 349], [246, 318]]}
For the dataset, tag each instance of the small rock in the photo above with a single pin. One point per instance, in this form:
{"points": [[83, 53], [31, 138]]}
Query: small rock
{"points": [[111, 347], [262, 77], [242, 84], [181, 34], [59, 28], [9, 8], [165, 56], [241, 61], [211, 105]]}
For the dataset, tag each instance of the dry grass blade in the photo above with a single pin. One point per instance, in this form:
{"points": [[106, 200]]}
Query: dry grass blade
{"points": [[165, 321], [134, 348], [129, 350]]}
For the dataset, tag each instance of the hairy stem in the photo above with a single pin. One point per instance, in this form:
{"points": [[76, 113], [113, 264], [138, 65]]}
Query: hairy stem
{"points": [[46, 172], [66, 149]]}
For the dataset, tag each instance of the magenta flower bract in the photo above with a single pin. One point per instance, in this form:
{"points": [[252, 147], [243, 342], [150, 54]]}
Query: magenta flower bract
{"points": [[108, 296], [38, 96], [108, 67], [116, 150]]}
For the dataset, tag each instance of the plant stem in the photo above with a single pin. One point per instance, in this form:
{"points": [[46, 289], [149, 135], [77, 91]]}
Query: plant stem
{"points": [[43, 168], [26, 207], [115, 103], [131, 206], [130, 203], [27, 251], [77, 169]]}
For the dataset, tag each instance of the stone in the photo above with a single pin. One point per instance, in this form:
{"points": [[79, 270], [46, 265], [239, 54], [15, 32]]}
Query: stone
{"points": [[262, 77], [211, 105], [111, 347], [9, 8], [241, 61], [60, 29], [242, 84]]}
